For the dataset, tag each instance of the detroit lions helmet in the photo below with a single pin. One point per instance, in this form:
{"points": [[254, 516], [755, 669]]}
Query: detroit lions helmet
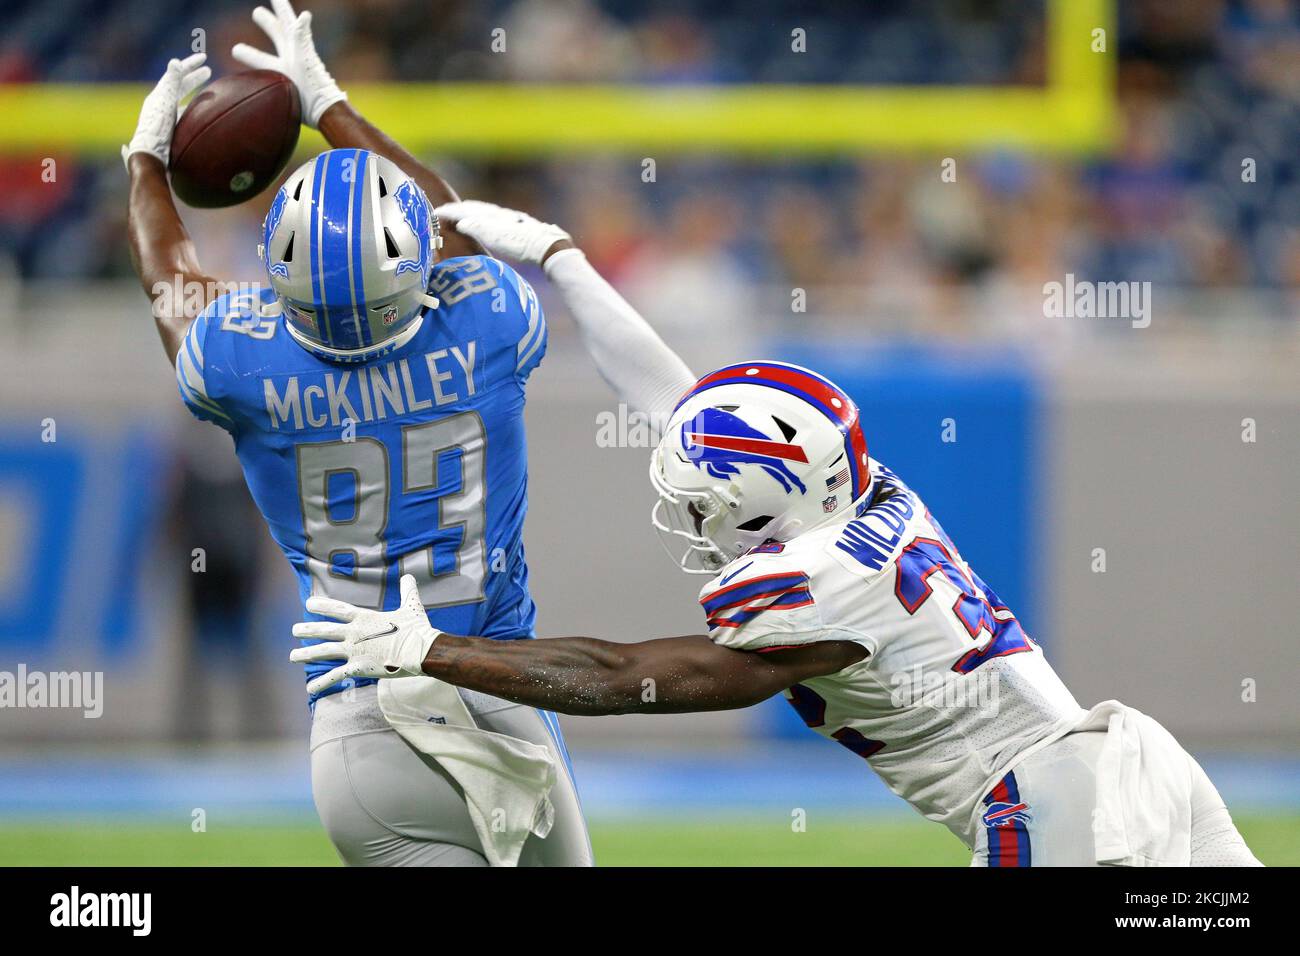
{"points": [[349, 244], [756, 452]]}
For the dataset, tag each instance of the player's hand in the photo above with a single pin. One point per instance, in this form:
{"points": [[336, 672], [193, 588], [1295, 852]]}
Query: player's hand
{"points": [[153, 133], [373, 643], [295, 56], [505, 233]]}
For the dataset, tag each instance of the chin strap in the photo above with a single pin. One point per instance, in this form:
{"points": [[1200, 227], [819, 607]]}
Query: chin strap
{"points": [[357, 355]]}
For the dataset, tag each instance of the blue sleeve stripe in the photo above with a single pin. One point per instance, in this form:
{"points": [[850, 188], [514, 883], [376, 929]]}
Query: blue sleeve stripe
{"points": [[788, 600], [743, 592]]}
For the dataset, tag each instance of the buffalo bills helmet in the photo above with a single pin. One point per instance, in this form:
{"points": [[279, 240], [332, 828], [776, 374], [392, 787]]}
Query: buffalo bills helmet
{"points": [[349, 244], [756, 452]]}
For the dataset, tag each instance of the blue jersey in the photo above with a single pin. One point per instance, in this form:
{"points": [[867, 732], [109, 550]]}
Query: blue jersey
{"points": [[411, 463]]}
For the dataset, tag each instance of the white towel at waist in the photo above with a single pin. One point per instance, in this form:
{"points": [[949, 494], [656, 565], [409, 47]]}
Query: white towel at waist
{"points": [[1144, 790], [507, 781]]}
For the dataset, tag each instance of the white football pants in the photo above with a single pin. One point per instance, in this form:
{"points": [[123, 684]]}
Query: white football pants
{"points": [[1040, 814]]}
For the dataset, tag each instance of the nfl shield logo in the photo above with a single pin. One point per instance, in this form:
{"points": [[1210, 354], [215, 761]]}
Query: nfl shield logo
{"points": [[830, 504], [390, 315]]}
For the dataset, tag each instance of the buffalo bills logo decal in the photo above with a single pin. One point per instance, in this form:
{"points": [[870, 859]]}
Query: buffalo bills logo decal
{"points": [[718, 441]]}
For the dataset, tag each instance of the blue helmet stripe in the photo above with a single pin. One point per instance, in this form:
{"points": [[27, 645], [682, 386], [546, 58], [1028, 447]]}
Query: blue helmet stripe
{"points": [[313, 246], [336, 199], [744, 592], [354, 261]]}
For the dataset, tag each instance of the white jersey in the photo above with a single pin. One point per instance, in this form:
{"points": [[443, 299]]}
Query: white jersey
{"points": [[952, 691]]}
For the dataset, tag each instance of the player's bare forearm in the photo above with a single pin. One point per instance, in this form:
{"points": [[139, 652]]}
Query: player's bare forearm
{"points": [[344, 127], [559, 245], [589, 677], [570, 675], [573, 675], [164, 255]]}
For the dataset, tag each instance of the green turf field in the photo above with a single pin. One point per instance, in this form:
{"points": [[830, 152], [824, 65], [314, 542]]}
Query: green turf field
{"points": [[839, 842]]}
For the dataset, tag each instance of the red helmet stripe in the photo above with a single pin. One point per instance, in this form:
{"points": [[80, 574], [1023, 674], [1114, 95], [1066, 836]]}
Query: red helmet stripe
{"points": [[836, 402], [757, 446]]}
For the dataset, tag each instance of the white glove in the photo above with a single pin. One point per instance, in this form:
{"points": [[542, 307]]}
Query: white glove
{"points": [[153, 134], [506, 233], [295, 56], [373, 643]]}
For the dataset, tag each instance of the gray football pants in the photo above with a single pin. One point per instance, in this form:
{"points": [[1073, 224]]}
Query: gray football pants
{"points": [[384, 803]]}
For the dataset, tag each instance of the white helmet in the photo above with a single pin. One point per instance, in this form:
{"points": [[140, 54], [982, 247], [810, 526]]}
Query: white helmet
{"points": [[348, 245], [761, 451]]}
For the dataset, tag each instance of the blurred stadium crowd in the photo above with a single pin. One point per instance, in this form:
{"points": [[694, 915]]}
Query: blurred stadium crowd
{"points": [[1202, 85]]}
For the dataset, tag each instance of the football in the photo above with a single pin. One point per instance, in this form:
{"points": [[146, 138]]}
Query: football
{"points": [[235, 138]]}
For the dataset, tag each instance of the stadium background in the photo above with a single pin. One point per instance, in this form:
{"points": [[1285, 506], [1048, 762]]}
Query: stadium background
{"points": [[776, 174]]}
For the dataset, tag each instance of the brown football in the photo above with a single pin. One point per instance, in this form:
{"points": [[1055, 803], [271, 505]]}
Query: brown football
{"points": [[234, 138]]}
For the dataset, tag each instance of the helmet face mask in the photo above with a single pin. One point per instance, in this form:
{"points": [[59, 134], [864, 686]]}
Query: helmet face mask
{"points": [[690, 516], [754, 453], [349, 245]]}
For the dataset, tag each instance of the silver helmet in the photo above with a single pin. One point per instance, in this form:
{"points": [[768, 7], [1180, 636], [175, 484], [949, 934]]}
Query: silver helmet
{"points": [[348, 245]]}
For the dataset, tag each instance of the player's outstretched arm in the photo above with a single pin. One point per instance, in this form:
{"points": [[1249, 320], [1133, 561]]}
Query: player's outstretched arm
{"points": [[572, 675], [673, 675], [643, 371], [161, 248], [326, 107], [343, 126]]}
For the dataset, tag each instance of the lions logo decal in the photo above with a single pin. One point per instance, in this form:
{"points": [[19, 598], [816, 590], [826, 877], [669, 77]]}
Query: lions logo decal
{"points": [[269, 226], [415, 210]]}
